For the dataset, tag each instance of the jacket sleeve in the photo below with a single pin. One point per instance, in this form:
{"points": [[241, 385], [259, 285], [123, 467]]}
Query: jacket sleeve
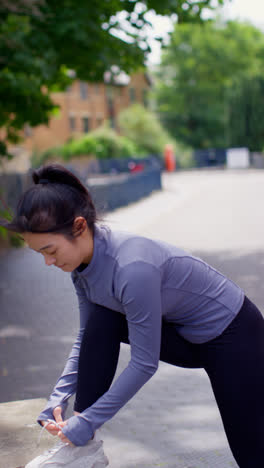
{"points": [[138, 287], [67, 382]]}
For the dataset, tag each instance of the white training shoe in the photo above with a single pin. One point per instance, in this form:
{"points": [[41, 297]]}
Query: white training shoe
{"points": [[63, 455]]}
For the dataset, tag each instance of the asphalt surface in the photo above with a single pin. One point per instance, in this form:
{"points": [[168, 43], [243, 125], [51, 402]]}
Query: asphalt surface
{"points": [[173, 421]]}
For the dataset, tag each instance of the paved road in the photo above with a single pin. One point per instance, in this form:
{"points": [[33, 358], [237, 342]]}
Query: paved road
{"points": [[173, 420]]}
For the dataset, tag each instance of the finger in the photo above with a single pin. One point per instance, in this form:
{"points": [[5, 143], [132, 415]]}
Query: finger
{"points": [[64, 438], [52, 429], [57, 414], [54, 433], [63, 423]]}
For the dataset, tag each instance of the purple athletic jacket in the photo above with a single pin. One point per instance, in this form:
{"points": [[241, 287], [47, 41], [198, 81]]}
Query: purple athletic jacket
{"points": [[146, 280]]}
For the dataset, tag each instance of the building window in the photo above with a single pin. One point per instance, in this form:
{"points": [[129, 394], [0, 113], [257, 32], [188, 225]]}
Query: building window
{"points": [[86, 124], [145, 97], [72, 122], [132, 94], [83, 90]]}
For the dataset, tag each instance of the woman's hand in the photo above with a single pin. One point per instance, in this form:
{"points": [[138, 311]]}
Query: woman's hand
{"points": [[58, 419], [55, 429], [63, 437]]}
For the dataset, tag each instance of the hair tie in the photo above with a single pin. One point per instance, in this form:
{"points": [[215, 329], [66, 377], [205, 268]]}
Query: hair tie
{"points": [[44, 181]]}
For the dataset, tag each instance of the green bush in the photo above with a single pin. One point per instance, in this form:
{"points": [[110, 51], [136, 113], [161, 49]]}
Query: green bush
{"points": [[142, 127], [108, 144], [102, 143], [85, 145], [131, 149]]}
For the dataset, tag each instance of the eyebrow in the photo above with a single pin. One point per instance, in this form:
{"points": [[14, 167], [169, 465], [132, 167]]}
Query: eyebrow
{"points": [[45, 247]]}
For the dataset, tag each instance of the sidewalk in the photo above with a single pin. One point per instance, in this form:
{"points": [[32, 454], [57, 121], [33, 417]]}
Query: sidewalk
{"points": [[173, 421], [19, 432]]}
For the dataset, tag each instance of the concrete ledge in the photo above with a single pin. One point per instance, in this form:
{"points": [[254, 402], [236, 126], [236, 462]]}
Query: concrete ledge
{"points": [[19, 432]]}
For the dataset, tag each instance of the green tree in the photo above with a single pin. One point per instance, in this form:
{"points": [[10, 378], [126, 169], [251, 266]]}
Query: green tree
{"points": [[245, 117], [205, 73], [41, 40]]}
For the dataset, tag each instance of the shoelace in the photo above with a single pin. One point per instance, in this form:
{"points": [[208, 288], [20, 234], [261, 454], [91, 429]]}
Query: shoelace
{"points": [[41, 433]]}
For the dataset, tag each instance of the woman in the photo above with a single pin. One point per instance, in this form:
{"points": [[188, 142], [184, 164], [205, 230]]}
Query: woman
{"points": [[167, 304]]}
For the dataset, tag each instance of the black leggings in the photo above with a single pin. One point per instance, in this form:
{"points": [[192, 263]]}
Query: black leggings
{"points": [[234, 362]]}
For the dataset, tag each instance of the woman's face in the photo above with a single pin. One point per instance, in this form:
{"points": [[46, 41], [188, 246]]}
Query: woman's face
{"points": [[59, 251]]}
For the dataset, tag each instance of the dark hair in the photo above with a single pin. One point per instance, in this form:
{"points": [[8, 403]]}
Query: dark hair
{"points": [[53, 203]]}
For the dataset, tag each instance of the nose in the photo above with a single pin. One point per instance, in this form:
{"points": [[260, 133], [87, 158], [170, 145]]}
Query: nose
{"points": [[50, 260]]}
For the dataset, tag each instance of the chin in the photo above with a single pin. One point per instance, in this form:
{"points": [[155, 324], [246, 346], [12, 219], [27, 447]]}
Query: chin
{"points": [[66, 268]]}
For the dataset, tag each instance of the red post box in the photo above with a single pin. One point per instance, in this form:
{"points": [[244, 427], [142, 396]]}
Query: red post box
{"points": [[169, 158]]}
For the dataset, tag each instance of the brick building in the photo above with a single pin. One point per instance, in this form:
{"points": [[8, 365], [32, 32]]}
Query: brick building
{"points": [[85, 106]]}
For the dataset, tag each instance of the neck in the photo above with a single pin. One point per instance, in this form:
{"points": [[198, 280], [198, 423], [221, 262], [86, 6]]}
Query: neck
{"points": [[88, 247]]}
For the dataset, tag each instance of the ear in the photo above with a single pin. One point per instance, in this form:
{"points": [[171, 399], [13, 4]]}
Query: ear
{"points": [[79, 226]]}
